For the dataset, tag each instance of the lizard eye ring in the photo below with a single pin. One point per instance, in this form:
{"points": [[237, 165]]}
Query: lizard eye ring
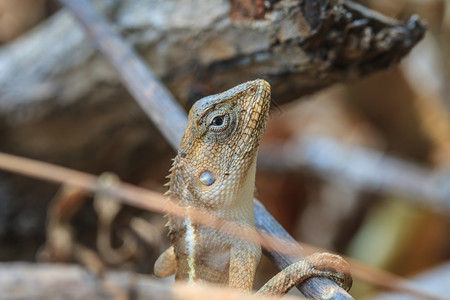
{"points": [[219, 122]]}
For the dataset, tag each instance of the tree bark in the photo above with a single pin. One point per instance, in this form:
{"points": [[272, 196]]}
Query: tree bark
{"points": [[199, 47]]}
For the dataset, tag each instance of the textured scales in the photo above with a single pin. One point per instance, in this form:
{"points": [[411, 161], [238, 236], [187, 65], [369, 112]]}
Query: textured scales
{"points": [[215, 171]]}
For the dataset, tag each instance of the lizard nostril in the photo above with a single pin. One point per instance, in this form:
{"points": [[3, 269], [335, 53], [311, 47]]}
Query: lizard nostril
{"points": [[207, 178]]}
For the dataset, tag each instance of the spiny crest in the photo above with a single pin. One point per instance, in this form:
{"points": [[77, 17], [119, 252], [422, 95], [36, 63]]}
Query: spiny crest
{"points": [[170, 176]]}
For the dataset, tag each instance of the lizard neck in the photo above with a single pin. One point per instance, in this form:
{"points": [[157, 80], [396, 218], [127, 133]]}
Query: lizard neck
{"points": [[230, 197], [238, 204]]}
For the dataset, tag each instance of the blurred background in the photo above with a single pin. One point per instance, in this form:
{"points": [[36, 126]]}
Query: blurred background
{"points": [[360, 168]]}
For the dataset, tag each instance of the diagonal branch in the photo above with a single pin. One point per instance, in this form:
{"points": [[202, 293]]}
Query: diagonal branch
{"points": [[148, 91]]}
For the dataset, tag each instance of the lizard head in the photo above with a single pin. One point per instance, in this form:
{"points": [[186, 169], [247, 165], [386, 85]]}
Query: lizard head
{"points": [[223, 134], [236, 117]]}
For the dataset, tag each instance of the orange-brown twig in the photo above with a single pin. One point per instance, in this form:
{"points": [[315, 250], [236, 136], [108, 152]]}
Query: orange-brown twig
{"points": [[138, 197], [153, 201]]}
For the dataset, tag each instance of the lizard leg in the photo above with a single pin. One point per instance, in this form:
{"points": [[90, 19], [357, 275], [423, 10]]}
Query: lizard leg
{"points": [[243, 263], [325, 265], [166, 263]]}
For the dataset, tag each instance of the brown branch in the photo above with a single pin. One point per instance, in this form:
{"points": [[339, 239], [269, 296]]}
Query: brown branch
{"points": [[278, 244]]}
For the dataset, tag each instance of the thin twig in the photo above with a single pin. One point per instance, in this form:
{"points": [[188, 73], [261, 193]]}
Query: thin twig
{"points": [[141, 198], [283, 248]]}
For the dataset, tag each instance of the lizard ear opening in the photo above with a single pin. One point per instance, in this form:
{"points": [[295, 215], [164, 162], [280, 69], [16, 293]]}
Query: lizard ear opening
{"points": [[207, 178]]}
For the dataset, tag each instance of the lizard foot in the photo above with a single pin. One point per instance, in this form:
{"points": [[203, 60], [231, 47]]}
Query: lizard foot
{"points": [[326, 265], [166, 264]]}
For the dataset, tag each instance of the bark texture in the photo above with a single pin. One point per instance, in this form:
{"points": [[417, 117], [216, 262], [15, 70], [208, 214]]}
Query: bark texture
{"points": [[201, 46]]}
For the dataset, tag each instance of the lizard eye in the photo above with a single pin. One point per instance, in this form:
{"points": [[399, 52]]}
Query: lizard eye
{"points": [[219, 122]]}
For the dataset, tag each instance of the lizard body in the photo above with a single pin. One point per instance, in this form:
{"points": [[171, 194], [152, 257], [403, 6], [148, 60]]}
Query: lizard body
{"points": [[215, 171]]}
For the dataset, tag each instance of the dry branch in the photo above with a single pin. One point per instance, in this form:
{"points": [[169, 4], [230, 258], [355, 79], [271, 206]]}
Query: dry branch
{"points": [[384, 279], [146, 88], [202, 46], [52, 281]]}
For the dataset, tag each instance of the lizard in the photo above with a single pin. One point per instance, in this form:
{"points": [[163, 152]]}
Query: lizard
{"points": [[214, 171]]}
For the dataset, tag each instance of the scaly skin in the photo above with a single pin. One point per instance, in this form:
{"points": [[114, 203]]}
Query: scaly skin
{"points": [[215, 171]]}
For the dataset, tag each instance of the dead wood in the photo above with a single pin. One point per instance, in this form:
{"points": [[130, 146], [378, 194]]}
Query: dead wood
{"points": [[199, 47], [63, 281], [58, 281]]}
